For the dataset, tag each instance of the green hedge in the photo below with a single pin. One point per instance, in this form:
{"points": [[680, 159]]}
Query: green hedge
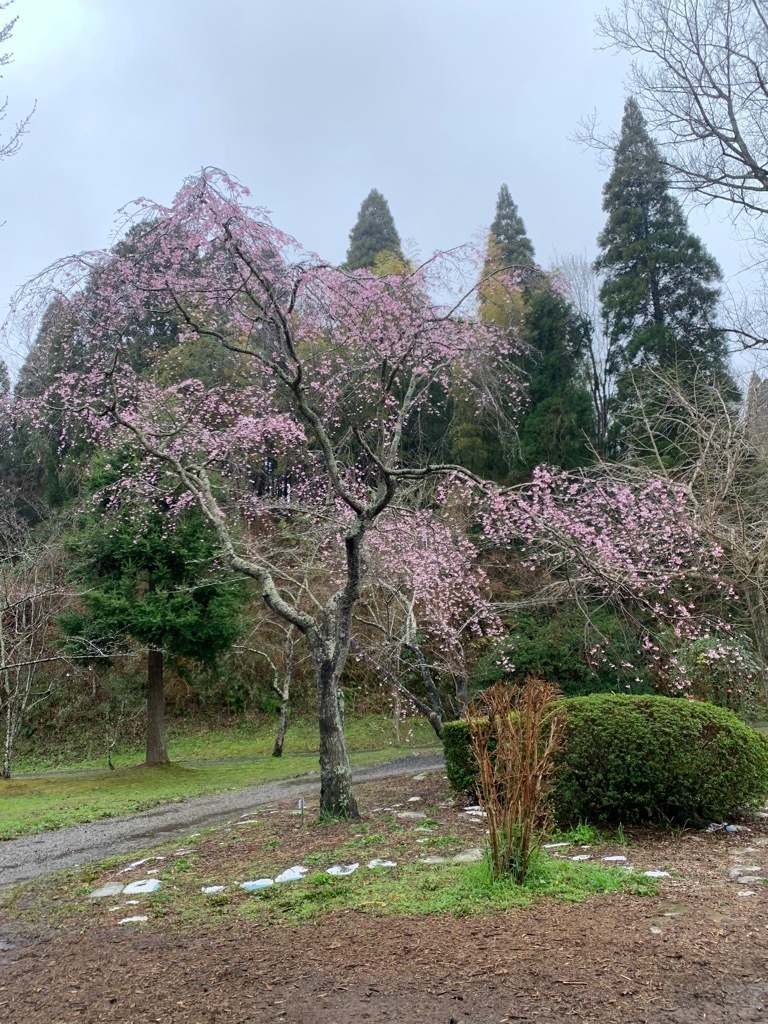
{"points": [[642, 758], [460, 765]]}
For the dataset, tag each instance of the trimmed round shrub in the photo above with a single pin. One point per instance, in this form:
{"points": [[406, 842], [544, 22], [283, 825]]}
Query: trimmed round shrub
{"points": [[652, 758], [642, 759]]}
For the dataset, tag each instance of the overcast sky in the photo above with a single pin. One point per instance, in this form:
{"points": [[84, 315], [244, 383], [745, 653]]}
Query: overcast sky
{"points": [[311, 103]]}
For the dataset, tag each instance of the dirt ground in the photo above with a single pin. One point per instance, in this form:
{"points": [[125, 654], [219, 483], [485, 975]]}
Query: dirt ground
{"points": [[696, 952]]}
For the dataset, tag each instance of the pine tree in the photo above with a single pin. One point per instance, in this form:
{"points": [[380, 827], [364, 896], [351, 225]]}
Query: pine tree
{"points": [[558, 425], [374, 233], [153, 579], [509, 244], [660, 289]]}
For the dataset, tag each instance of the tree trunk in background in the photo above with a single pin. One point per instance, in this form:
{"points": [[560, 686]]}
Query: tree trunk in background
{"points": [[396, 712], [156, 751], [282, 727]]}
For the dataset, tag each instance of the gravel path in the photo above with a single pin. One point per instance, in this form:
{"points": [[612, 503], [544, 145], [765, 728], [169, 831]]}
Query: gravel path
{"points": [[33, 856]]}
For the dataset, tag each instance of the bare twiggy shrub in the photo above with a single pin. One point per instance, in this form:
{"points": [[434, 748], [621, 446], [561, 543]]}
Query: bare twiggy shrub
{"points": [[514, 734]]}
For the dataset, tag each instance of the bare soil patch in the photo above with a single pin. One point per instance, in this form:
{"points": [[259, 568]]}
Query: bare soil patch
{"points": [[695, 952]]}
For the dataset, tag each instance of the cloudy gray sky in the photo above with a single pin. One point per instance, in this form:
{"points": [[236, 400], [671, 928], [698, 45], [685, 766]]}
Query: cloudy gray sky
{"points": [[311, 103]]}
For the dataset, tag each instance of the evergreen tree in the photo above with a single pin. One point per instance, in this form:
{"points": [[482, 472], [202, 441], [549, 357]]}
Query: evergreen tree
{"points": [[374, 233], [154, 580], [558, 424], [660, 289], [488, 447], [509, 244]]}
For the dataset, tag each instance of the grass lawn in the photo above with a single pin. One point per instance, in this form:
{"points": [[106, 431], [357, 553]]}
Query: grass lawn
{"points": [[35, 804], [244, 738], [423, 876]]}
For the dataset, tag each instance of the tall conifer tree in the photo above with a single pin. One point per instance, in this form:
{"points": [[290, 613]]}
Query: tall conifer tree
{"points": [[557, 425], [374, 233], [660, 289], [509, 244]]}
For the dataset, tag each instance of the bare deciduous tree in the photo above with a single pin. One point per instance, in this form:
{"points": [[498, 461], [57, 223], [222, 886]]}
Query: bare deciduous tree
{"points": [[700, 76], [12, 143], [31, 596], [583, 283]]}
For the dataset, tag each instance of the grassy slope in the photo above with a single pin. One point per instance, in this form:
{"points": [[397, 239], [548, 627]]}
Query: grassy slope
{"points": [[242, 739], [35, 804]]}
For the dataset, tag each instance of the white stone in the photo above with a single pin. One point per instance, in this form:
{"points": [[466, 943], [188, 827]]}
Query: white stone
{"points": [[209, 889], [418, 778], [292, 874], [139, 919], [656, 874], [582, 856], [555, 846], [138, 863], [468, 856], [376, 863], [414, 799], [747, 892], [143, 885], [410, 815], [614, 860], [342, 869], [110, 889], [434, 860]]}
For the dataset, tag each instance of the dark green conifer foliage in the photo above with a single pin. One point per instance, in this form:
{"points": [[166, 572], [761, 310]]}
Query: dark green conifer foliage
{"points": [[476, 442], [509, 242], [374, 233], [558, 425], [153, 580], [660, 288]]}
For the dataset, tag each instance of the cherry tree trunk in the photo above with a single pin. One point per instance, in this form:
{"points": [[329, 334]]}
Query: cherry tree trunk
{"points": [[336, 797], [156, 750]]}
